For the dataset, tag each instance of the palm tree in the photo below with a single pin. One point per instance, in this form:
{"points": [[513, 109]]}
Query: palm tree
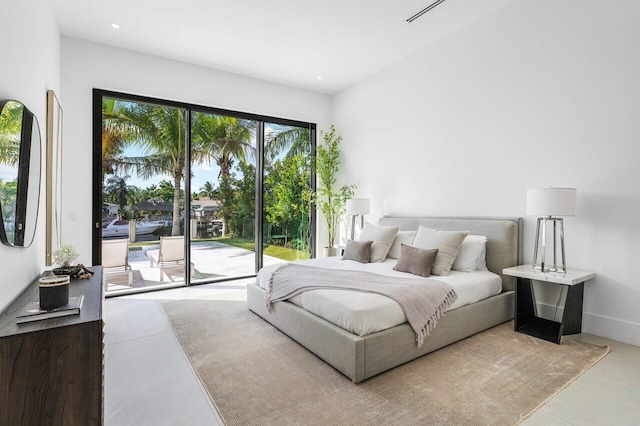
{"points": [[225, 140], [208, 190], [117, 188], [296, 140], [10, 132], [117, 132], [161, 133]]}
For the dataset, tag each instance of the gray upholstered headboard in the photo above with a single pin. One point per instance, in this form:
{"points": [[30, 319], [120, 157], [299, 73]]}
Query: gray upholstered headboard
{"points": [[504, 237]]}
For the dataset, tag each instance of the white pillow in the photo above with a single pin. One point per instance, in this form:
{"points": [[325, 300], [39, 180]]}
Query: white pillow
{"points": [[472, 249], [447, 242], [382, 237], [403, 237], [482, 260]]}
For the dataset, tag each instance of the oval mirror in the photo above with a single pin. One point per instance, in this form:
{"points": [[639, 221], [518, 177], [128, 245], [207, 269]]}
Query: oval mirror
{"points": [[20, 166]]}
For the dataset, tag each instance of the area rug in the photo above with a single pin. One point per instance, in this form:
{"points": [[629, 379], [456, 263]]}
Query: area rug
{"points": [[256, 375]]}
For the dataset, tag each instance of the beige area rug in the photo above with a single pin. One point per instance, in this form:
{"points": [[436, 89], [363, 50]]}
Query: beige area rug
{"points": [[257, 375]]}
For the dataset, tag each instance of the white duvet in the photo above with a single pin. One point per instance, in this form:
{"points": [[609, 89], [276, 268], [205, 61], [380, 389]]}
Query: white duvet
{"points": [[366, 313]]}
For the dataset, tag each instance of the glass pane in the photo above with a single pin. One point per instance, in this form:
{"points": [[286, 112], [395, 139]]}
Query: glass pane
{"points": [[287, 189], [143, 165], [223, 182], [10, 134]]}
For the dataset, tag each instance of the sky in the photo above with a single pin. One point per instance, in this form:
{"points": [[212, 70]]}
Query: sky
{"points": [[8, 173]]}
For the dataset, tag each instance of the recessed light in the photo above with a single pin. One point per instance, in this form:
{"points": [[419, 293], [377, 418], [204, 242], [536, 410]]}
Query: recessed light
{"points": [[115, 25], [319, 77]]}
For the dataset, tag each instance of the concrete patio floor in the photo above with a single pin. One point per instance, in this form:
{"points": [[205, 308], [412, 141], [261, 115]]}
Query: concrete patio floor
{"points": [[212, 260]]}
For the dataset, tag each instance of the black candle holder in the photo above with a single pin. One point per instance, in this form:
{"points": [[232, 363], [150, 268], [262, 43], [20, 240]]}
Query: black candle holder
{"points": [[54, 291]]}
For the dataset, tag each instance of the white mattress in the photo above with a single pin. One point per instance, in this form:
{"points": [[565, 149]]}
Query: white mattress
{"points": [[366, 313]]}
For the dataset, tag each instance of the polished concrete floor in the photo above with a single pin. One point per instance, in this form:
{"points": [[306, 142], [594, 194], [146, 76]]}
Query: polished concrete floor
{"points": [[149, 380]]}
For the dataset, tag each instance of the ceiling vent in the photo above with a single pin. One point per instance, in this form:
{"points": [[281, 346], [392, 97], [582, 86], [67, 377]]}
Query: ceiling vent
{"points": [[425, 10]]}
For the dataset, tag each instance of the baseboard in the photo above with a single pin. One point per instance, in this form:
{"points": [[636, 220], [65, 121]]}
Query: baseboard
{"points": [[611, 328], [548, 311]]}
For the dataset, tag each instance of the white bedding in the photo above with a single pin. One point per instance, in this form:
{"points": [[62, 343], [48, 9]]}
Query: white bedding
{"points": [[366, 313]]}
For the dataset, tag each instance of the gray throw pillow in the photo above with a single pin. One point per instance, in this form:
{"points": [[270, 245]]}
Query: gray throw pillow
{"points": [[358, 251], [416, 261]]}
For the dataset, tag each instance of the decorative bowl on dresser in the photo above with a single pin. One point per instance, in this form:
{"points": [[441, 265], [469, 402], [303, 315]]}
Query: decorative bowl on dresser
{"points": [[51, 371]]}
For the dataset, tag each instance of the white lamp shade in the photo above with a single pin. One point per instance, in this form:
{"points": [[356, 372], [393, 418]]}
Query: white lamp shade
{"points": [[357, 206], [551, 201]]}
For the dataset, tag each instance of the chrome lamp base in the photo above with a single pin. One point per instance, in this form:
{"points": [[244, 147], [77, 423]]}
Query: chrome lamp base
{"points": [[353, 225], [542, 237]]}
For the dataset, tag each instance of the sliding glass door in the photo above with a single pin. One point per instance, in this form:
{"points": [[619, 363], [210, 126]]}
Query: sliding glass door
{"points": [[287, 192], [142, 209], [248, 178], [223, 194]]}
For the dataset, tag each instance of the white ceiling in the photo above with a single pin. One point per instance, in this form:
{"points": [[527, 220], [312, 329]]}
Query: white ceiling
{"points": [[285, 41]]}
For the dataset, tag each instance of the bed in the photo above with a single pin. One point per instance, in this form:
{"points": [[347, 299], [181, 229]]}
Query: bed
{"points": [[361, 357]]}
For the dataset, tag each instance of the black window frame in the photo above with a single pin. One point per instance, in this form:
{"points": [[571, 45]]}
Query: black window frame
{"points": [[96, 235]]}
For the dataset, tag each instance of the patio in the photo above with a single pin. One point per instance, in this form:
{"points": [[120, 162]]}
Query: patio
{"points": [[212, 260]]}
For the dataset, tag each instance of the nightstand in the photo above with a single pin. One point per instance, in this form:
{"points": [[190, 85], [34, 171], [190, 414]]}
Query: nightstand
{"points": [[526, 312]]}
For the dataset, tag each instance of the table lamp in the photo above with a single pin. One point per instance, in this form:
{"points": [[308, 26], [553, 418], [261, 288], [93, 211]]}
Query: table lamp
{"points": [[550, 203], [357, 207]]}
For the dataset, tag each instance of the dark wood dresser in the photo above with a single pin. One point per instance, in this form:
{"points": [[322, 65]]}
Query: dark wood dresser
{"points": [[51, 371]]}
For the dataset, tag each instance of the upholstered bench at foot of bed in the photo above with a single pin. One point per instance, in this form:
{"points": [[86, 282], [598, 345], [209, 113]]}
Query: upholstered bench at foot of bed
{"points": [[360, 358]]}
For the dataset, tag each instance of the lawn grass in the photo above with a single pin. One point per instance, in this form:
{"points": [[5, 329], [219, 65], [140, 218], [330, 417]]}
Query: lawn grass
{"points": [[284, 253]]}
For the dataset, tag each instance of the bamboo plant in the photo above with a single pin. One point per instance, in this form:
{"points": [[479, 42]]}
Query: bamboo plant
{"points": [[330, 200]]}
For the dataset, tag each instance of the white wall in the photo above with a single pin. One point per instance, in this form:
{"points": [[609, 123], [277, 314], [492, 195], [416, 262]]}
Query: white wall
{"points": [[87, 65], [30, 66], [542, 93]]}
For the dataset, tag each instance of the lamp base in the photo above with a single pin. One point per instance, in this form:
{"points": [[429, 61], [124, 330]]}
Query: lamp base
{"points": [[352, 232], [558, 269], [542, 237]]}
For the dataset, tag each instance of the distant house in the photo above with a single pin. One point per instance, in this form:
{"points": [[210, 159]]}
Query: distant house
{"points": [[109, 209], [206, 209]]}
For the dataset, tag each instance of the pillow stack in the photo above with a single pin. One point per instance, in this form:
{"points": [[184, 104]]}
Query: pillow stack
{"points": [[423, 252]]}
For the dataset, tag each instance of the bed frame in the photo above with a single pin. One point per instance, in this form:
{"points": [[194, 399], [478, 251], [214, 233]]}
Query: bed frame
{"points": [[360, 358]]}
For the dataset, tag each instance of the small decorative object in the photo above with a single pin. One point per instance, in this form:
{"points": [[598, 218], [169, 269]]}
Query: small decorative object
{"points": [[550, 202], [357, 207], [64, 256], [84, 273], [331, 201], [54, 291]]}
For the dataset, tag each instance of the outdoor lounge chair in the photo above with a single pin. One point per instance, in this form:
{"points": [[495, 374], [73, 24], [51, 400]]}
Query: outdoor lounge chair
{"points": [[171, 253], [115, 258]]}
